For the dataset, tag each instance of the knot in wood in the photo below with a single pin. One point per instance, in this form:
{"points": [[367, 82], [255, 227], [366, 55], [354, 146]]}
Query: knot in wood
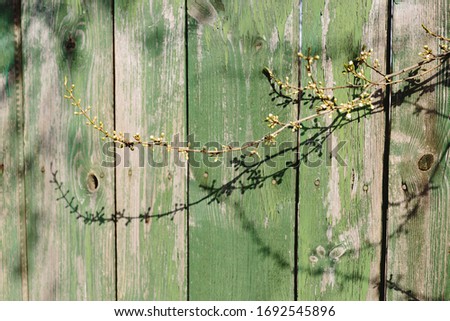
{"points": [[425, 162]]}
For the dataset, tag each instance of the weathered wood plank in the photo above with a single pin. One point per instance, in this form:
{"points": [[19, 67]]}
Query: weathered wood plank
{"points": [[419, 215], [150, 97], [341, 182], [241, 216], [12, 245], [68, 258]]}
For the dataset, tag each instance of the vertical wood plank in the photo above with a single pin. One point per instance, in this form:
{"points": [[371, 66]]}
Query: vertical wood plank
{"points": [[69, 259], [241, 216], [12, 247], [150, 97], [419, 216], [342, 161]]}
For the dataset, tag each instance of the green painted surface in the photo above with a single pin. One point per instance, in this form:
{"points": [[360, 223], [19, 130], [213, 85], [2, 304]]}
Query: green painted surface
{"points": [[12, 267], [419, 177], [67, 258], [150, 100], [339, 216], [241, 217], [234, 237]]}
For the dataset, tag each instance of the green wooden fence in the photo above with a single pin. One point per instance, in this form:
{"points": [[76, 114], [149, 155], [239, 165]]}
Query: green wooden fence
{"points": [[365, 216]]}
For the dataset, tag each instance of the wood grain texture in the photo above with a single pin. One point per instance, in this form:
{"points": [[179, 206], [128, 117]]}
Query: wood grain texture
{"points": [[241, 215], [342, 162], [12, 246], [419, 216], [150, 97], [226, 228], [68, 259]]}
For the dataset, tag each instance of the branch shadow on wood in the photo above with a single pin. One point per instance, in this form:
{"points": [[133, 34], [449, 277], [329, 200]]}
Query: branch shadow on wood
{"points": [[422, 87], [412, 206], [394, 286], [99, 216], [416, 197], [264, 248], [249, 175]]}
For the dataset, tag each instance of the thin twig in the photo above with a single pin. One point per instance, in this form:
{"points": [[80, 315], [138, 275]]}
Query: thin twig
{"points": [[328, 104]]}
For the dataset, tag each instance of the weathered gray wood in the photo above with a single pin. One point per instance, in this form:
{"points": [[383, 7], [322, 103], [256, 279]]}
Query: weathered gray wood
{"points": [[419, 188]]}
